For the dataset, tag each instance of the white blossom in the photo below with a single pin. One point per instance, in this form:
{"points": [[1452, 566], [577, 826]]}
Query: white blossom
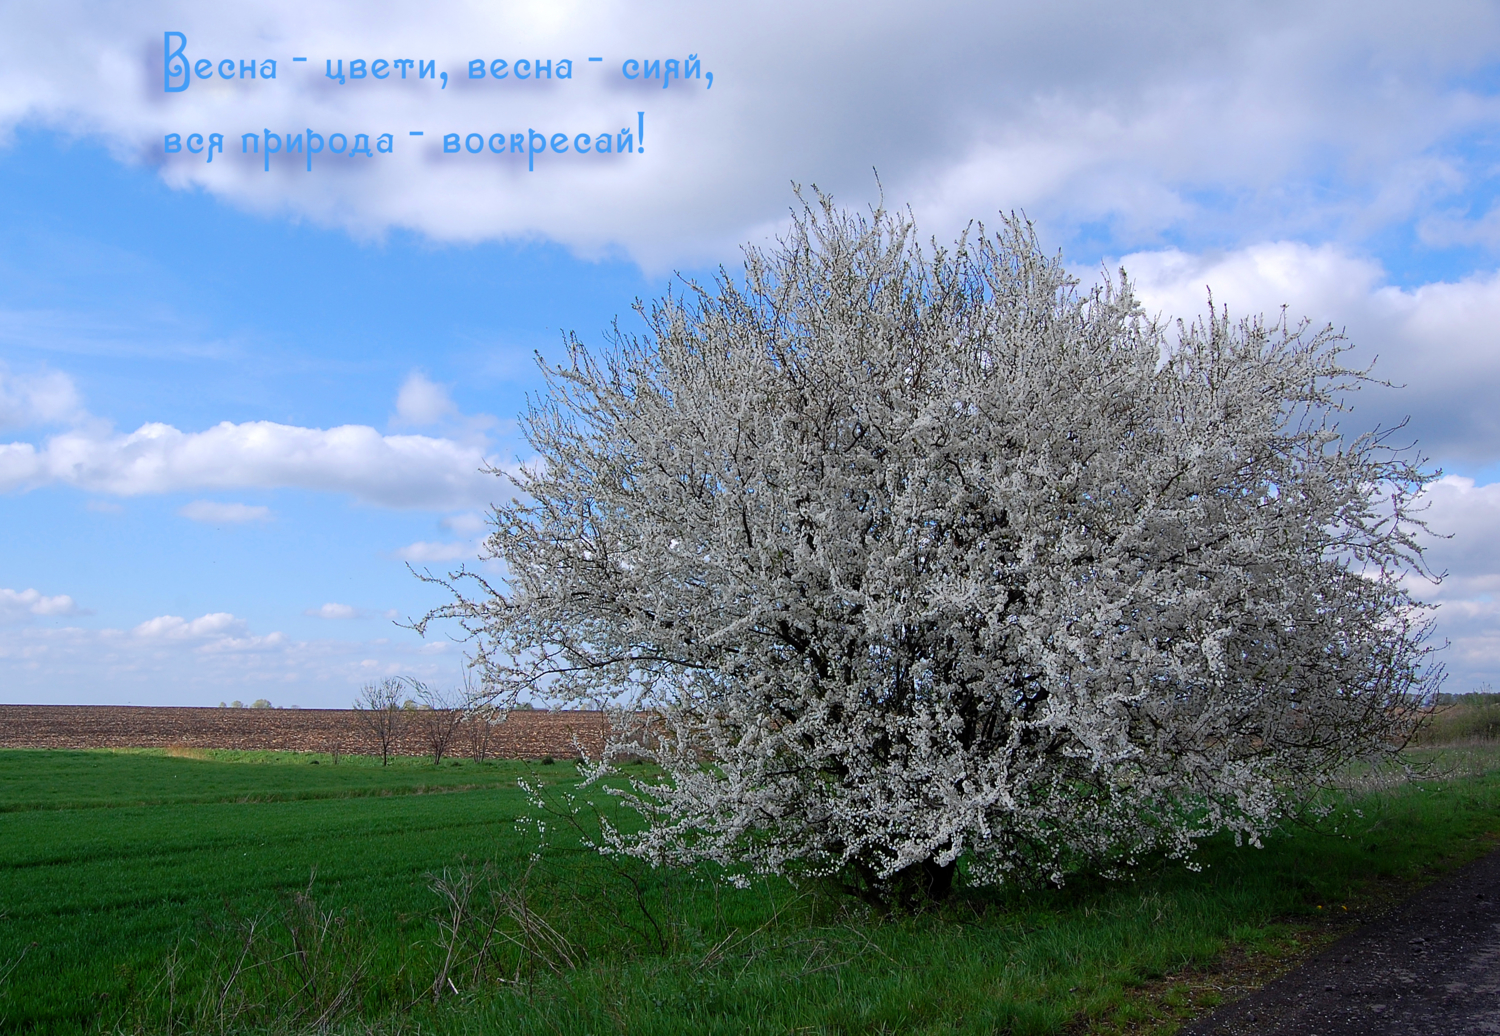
{"points": [[917, 556]]}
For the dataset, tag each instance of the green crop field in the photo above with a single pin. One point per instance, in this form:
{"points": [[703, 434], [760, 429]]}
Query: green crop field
{"points": [[258, 892]]}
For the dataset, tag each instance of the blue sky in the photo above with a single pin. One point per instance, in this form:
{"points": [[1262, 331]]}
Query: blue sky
{"points": [[168, 306], [234, 405]]}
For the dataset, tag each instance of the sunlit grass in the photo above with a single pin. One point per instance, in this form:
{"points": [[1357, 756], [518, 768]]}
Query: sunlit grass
{"points": [[137, 877]]}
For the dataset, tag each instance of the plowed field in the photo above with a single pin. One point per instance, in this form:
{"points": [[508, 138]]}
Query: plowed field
{"points": [[524, 734]]}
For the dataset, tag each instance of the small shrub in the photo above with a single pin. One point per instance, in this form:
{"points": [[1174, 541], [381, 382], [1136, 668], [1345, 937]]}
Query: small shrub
{"points": [[1462, 717]]}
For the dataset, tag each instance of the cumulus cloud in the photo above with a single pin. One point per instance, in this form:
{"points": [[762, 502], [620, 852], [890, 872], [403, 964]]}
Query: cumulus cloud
{"points": [[423, 552], [215, 624], [1436, 341], [1077, 112], [24, 604], [473, 525], [333, 610], [469, 523], [214, 513], [214, 633], [42, 398], [1462, 547], [421, 403], [1464, 519], [179, 661], [405, 471]]}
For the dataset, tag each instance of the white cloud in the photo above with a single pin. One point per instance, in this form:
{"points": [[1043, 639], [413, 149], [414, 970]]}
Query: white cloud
{"points": [[23, 604], [473, 525], [1437, 340], [423, 552], [421, 402], [408, 471], [1074, 111], [214, 513], [177, 661], [1464, 519], [212, 625], [334, 611], [469, 523], [46, 397]]}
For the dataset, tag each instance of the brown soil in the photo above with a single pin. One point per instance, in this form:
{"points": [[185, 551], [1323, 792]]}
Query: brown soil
{"points": [[525, 734]]}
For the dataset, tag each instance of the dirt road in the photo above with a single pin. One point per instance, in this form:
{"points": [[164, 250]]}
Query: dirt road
{"points": [[1429, 968]]}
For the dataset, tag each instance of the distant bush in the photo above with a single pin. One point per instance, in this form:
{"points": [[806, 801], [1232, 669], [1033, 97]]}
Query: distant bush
{"points": [[1463, 717], [260, 703]]}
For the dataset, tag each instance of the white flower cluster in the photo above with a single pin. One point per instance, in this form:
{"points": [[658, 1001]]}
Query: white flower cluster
{"points": [[917, 556]]}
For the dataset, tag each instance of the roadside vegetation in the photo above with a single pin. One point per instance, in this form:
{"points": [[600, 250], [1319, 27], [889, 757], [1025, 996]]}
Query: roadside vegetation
{"points": [[222, 892], [1463, 718]]}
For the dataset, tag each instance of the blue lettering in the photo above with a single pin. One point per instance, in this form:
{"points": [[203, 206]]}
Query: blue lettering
{"points": [[174, 63]]}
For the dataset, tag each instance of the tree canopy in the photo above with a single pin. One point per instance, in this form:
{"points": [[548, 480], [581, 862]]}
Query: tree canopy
{"points": [[919, 555]]}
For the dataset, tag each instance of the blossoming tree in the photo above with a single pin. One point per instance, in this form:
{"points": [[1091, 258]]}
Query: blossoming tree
{"points": [[924, 560]]}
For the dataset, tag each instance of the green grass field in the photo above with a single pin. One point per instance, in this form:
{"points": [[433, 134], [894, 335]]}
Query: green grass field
{"points": [[257, 892]]}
